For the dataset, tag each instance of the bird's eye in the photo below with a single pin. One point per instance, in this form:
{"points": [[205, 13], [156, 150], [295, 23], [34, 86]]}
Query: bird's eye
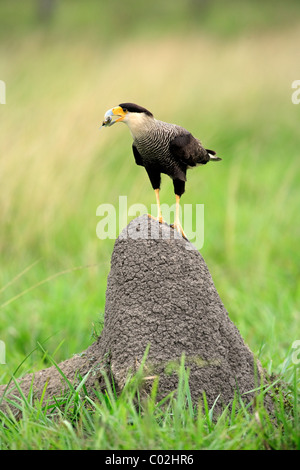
{"points": [[125, 110]]}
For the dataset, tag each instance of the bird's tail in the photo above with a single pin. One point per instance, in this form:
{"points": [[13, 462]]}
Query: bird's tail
{"points": [[212, 156]]}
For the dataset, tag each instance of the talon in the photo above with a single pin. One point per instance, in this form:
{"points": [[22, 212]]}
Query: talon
{"points": [[179, 229], [159, 218]]}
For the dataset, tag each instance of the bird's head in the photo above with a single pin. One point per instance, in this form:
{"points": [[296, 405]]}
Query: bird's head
{"points": [[133, 115]]}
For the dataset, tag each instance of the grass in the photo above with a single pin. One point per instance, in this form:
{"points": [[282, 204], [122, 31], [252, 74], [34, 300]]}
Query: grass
{"points": [[232, 88], [107, 421], [126, 421]]}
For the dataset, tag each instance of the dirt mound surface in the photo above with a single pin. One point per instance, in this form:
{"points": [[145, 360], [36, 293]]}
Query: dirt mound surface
{"points": [[159, 293]]}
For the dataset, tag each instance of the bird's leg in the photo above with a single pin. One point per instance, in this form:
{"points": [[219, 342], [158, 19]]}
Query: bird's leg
{"points": [[177, 225], [159, 214], [155, 178]]}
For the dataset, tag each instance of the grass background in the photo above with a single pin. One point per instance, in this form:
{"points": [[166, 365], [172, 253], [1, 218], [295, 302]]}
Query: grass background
{"points": [[223, 73]]}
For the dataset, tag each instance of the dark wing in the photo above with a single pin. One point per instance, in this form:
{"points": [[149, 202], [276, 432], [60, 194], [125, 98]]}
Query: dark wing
{"points": [[188, 150], [137, 156]]}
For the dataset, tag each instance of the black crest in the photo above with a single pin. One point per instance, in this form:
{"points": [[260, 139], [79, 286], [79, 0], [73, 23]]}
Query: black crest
{"points": [[135, 108]]}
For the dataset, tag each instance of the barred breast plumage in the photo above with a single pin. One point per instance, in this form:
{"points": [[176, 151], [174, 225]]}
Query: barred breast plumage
{"points": [[154, 145]]}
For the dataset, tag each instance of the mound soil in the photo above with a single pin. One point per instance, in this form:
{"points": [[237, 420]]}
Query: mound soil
{"points": [[160, 295]]}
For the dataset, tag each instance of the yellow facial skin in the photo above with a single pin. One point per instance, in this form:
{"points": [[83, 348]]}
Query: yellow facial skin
{"points": [[118, 111], [109, 117]]}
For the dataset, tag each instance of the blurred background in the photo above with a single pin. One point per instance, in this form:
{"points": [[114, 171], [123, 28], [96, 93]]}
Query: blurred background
{"points": [[222, 70]]}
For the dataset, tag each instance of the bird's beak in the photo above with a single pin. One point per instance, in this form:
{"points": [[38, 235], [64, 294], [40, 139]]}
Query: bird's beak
{"points": [[112, 116]]}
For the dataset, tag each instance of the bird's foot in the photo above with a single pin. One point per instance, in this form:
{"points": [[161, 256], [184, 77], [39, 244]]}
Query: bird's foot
{"points": [[159, 218], [176, 226]]}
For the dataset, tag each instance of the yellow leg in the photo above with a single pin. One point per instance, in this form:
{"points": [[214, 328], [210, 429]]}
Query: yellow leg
{"points": [[177, 225], [159, 214]]}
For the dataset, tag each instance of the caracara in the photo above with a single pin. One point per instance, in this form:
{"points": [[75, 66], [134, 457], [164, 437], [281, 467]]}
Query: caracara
{"points": [[161, 147]]}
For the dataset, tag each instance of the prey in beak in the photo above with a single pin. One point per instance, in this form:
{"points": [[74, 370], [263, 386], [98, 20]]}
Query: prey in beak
{"points": [[113, 115]]}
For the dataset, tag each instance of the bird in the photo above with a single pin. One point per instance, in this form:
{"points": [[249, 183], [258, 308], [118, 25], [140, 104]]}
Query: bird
{"points": [[161, 147]]}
